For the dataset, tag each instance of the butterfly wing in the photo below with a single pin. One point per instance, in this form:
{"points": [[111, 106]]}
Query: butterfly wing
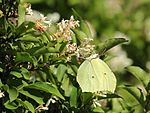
{"points": [[106, 78], [95, 76], [83, 74]]}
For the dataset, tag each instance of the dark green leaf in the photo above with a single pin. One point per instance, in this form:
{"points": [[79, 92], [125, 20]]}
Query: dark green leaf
{"points": [[140, 74], [73, 97], [23, 57], [13, 93], [110, 43], [34, 97], [24, 27], [86, 97], [47, 87]]}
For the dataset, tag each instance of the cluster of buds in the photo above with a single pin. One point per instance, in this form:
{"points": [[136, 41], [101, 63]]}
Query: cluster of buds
{"points": [[86, 48], [64, 28]]}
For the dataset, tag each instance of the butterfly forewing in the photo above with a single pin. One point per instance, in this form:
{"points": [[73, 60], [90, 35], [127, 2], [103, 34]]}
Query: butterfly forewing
{"points": [[95, 76]]}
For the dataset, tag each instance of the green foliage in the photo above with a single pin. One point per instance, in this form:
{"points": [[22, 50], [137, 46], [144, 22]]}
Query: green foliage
{"points": [[39, 64]]}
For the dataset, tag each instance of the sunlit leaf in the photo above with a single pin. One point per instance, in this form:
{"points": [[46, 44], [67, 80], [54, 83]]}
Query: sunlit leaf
{"points": [[10, 105], [16, 74], [98, 110], [21, 12], [1, 70], [28, 38], [132, 96], [1, 84], [13, 93], [25, 73], [140, 74], [29, 106], [66, 85], [60, 72]]}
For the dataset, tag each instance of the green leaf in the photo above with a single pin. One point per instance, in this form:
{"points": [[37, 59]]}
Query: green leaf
{"points": [[86, 28], [28, 38], [21, 13], [119, 103], [98, 110], [110, 43], [67, 85], [24, 27], [25, 73], [16, 74], [86, 97], [1, 70], [10, 105], [47, 87], [34, 97], [44, 50], [60, 72], [80, 34], [132, 96], [23, 57], [1, 84], [13, 94], [29, 106], [140, 74], [73, 97]]}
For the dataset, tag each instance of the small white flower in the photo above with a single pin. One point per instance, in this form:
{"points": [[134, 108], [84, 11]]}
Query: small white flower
{"points": [[29, 10], [41, 108], [1, 94]]}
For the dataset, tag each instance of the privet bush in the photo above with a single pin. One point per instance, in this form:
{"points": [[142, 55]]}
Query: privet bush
{"points": [[39, 62]]}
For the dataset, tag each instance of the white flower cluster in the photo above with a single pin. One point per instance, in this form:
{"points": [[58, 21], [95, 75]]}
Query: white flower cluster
{"points": [[65, 28], [85, 50], [41, 22]]}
